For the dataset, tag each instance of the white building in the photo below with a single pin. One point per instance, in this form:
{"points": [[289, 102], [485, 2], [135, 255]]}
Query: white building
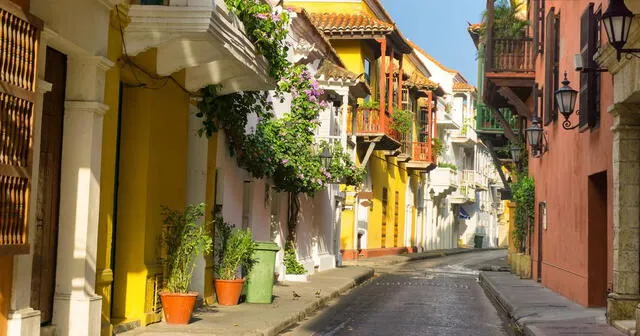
{"points": [[461, 201]]}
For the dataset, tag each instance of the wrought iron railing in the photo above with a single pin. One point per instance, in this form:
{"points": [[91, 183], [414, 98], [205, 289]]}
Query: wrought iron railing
{"points": [[512, 55]]}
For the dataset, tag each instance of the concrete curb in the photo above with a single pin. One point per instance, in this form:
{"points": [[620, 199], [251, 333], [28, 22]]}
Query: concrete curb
{"points": [[498, 300], [406, 258], [314, 306]]}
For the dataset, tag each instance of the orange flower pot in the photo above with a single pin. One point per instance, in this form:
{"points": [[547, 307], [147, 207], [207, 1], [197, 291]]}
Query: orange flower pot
{"points": [[228, 291], [178, 307]]}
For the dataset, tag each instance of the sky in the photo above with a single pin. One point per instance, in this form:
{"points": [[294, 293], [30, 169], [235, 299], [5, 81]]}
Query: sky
{"points": [[440, 28]]}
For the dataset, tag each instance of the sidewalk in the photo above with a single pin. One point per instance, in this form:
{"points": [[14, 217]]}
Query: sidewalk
{"points": [[266, 319], [404, 258], [536, 310]]}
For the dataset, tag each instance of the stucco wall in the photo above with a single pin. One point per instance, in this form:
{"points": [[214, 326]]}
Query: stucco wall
{"points": [[562, 174]]}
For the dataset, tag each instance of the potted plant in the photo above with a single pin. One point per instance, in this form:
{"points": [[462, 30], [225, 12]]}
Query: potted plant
{"points": [[294, 270], [184, 239], [233, 252]]}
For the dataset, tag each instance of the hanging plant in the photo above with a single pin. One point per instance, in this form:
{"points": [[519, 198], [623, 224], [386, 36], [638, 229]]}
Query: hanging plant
{"points": [[401, 121], [437, 147]]}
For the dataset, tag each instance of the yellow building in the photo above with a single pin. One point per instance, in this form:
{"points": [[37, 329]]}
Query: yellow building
{"points": [[382, 217], [152, 138]]}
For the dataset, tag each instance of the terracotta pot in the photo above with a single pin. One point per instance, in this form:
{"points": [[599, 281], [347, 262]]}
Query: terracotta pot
{"points": [[228, 291], [178, 307]]}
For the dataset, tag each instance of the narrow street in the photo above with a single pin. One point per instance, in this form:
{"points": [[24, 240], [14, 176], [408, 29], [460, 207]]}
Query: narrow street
{"points": [[433, 297]]}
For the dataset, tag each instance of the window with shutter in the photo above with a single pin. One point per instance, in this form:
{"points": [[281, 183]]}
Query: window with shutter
{"points": [[548, 113], [19, 34], [589, 91]]}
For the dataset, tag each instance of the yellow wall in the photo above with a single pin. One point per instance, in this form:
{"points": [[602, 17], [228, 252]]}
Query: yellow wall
{"points": [[104, 274], [386, 174], [154, 132]]}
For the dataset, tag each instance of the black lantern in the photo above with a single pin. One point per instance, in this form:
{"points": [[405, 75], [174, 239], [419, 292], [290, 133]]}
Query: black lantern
{"points": [[566, 101], [617, 21], [535, 137], [516, 152], [326, 158]]}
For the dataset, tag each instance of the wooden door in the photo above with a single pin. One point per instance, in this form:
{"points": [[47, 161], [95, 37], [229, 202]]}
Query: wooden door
{"points": [[48, 197]]}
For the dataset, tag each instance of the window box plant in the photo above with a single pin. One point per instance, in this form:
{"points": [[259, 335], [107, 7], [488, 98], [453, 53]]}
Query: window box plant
{"points": [[184, 238], [233, 252]]}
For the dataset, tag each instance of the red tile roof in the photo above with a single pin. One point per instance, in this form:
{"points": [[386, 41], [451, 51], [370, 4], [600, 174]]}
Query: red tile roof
{"points": [[460, 86], [332, 23]]}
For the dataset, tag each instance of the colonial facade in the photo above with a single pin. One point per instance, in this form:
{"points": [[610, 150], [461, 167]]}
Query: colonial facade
{"points": [[591, 154]]}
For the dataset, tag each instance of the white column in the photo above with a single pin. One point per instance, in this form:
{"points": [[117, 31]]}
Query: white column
{"points": [[76, 307], [23, 320], [198, 148]]}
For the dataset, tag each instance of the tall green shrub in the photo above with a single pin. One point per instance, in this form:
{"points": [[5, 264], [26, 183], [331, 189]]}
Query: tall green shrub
{"points": [[524, 196], [184, 239], [233, 250]]}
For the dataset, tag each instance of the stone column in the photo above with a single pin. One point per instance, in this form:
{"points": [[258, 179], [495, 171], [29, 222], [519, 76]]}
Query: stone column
{"points": [[198, 148], [76, 307], [621, 304], [22, 319]]}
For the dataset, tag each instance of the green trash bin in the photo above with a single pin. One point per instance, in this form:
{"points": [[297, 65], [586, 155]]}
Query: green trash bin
{"points": [[477, 241], [260, 279]]}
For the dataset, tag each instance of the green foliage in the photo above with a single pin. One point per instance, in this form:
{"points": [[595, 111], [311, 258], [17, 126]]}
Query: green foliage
{"points": [[448, 165], [506, 23], [371, 104], [437, 147], [230, 113], [184, 239], [233, 250], [342, 169], [448, 107], [267, 29], [291, 262], [524, 196], [401, 121]]}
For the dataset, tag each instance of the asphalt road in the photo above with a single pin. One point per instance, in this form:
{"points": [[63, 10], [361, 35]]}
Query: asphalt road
{"points": [[432, 297]]}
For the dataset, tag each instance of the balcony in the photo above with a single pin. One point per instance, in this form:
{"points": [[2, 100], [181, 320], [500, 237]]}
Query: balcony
{"points": [[374, 126], [487, 122], [512, 55], [466, 136], [445, 121], [421, 158], [480, 181], [201, 36], [443, 181], [466, 192]]}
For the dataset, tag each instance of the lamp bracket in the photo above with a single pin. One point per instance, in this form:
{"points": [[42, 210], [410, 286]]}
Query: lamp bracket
{"points": [[566, 124], [629, 53]]}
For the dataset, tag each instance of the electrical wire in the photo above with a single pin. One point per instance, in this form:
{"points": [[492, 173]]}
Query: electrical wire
{"points": [[128, 61]]}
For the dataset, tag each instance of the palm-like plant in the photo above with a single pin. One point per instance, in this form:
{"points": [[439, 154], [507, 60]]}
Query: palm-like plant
{"points": [[507, 20]]}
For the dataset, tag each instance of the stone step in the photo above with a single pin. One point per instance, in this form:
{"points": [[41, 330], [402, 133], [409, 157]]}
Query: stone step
{"points": [[628, 327]]}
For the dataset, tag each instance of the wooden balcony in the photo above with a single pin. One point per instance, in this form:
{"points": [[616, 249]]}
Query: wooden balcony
{"points": [[512, 55], [421, 157], [374, 126]]}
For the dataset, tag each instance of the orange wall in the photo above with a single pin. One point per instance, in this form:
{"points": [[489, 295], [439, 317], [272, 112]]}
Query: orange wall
{"points": [[6, 272], [22, 3], [562, 174]]}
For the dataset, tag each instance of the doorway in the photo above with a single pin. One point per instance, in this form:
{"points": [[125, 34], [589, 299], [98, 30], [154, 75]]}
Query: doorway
{"points": [[48, 196], [597, 239]]}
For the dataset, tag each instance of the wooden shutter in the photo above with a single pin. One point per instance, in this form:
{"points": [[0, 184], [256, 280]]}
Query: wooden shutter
{"points": [[538, 27], [548, 113], [19, 35], [588, 37]]}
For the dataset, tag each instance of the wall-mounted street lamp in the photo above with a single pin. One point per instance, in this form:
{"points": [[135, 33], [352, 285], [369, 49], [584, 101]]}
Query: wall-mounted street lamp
{"points": [[617, 21], [516, 153], [566, 100], [536, 138], [326, 157]]}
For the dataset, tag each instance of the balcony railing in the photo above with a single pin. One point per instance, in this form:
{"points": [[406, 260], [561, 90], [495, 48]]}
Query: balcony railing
{"points": [[512, 55], [421, 152], [372, 122], [486, 120]]}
